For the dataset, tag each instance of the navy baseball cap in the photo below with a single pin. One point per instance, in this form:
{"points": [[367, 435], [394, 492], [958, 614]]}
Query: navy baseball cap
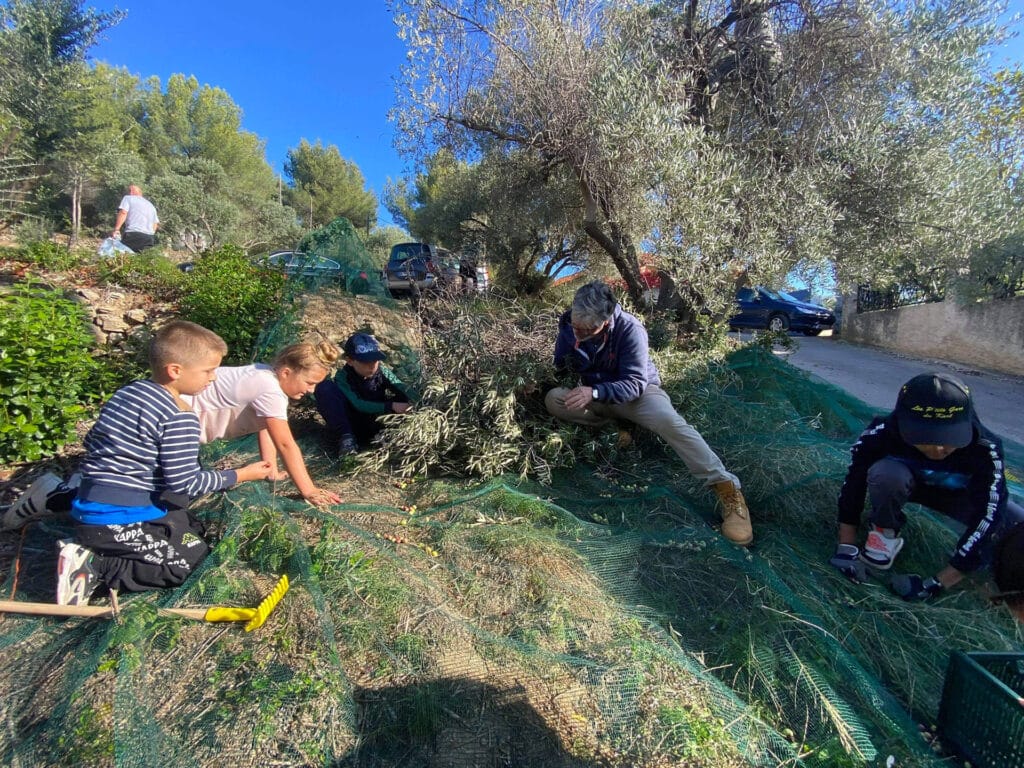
{"points": [[363, 347], [935, 409]]}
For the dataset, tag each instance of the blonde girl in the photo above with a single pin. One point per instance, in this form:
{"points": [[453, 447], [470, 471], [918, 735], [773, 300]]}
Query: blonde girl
{"points": [[254, 398]]}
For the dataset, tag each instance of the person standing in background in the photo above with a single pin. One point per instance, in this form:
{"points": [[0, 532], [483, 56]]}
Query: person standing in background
{"points": [[138, 216]]}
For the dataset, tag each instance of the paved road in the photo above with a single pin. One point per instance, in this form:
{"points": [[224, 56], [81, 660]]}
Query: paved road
{"points": [[875, 375]]}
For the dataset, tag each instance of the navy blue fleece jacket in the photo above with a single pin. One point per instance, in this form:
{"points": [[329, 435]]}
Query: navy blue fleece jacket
{"points": [[616, 362]]}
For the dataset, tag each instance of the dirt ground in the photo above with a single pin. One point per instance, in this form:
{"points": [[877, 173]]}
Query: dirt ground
{"points": [[337, 315]]}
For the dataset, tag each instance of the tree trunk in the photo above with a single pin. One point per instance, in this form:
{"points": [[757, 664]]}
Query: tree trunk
{"points": [[76, 211], [616, 244]]}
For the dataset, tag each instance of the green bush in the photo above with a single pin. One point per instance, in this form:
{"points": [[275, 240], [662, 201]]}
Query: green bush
{"points": [[47, 374], [50, 255], [232, 297], [149, 271]]}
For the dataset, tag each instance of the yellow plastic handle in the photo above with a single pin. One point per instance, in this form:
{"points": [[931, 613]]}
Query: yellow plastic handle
{"points": [[229, 614]]}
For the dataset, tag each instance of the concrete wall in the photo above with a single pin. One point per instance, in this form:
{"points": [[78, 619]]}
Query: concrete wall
{"points": [[987, 335]]}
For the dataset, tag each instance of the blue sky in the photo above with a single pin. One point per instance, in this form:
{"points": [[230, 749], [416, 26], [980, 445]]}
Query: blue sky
{"points": [[312, 70], [306, 70]]}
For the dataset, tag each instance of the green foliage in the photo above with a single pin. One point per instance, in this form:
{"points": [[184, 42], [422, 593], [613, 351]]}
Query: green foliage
{"points": [[510, 504], [870, 137], [232, 297], [326, 186], [41, 41], [485, 367], [149, 271], [366, 591], [193, 201], [50, 255], [380, 240], [508, 205], [997, 270], [91, 740], [265, 540], [33, 229], [187, 119], [47, 374]]}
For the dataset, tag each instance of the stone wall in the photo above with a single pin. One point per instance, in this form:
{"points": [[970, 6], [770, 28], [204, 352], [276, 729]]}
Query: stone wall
{"points": [[118, 315], [986, 335]]}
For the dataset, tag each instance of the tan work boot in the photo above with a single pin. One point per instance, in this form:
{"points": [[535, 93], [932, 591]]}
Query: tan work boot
{"points": [[735, 515]]}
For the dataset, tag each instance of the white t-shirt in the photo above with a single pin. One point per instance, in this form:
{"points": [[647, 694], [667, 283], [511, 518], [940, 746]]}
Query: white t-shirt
{"points": [[141, 214], [238, 402]]}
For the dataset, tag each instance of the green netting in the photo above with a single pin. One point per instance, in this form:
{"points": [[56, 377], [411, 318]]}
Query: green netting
{"points": [[599, 620], [359, 273]]}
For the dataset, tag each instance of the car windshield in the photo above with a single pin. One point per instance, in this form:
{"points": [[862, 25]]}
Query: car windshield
{"points": [[404, 251], [790, 297], [771, 294]]}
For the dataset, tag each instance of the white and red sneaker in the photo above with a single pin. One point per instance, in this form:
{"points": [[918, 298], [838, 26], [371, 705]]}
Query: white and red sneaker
{"points": [[880, 550], [76, 577]]}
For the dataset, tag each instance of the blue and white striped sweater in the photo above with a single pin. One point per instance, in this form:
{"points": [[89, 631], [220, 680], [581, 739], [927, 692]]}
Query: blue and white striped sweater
{"points": [[142, 445]]}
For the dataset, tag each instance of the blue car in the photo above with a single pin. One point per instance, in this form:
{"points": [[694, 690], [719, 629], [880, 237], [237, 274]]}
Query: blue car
{"points": [[778, 311]]}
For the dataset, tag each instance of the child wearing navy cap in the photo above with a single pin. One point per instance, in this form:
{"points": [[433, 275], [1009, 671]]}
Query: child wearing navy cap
{"points": [[931, 450], [360, 392]]}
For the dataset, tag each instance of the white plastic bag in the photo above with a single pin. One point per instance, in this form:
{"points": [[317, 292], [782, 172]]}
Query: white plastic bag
{"points": [[112, 247]]}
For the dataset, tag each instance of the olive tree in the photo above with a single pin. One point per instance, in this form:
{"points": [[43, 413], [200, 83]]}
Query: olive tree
{"points": [[735, 138], [512, 206]]}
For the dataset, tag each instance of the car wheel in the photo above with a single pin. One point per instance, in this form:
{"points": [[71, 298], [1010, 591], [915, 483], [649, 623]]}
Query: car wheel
{"points": [[778, 323], [811, 332]]}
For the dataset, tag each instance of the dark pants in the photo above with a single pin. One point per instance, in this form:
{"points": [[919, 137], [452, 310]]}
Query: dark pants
{"points": [[342, 418], [138, 241], [149, 555], [891, 484]]}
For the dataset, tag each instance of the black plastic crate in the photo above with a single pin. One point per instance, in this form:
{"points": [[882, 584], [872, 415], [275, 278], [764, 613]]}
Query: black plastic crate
{"points": [[981, 716]]}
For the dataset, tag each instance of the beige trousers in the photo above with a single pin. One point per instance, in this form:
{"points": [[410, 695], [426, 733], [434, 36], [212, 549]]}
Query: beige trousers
{"points": [[653, 410]]}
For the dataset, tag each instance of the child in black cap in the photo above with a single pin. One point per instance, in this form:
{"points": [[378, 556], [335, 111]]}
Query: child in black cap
{"points": [[359, 392], [931, 450]]}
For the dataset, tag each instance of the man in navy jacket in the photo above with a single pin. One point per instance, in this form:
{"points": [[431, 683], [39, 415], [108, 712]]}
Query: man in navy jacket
{"points": [[607, 348]]}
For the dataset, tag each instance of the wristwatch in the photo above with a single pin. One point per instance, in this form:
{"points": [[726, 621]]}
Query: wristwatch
{"points": [[596, 394]]}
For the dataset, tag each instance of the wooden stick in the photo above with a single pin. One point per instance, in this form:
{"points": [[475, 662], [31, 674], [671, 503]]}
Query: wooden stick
{"points": [[254, 616], [88, 611]]}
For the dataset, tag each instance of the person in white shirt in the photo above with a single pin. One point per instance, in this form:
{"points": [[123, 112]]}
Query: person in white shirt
{"points": [[138, 216], [254, 398]]}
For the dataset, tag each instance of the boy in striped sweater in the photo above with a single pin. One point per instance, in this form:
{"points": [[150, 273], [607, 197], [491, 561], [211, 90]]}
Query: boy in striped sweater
{"points": [[134, 531]]}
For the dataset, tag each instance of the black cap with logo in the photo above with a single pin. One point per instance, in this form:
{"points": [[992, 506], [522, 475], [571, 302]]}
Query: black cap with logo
{"points": [[363, 347], [935, 409]]}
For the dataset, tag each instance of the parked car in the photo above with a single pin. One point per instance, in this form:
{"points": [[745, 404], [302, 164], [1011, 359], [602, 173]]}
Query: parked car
{"points": [[307, 265], [410, 267], [761, 307], [421, 266]]}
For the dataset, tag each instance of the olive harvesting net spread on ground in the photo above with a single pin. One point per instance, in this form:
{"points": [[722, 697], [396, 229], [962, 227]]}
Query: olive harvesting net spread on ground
{"points": [[599, 620]]}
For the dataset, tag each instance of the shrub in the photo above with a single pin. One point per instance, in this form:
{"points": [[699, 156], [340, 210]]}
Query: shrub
{"points": [[232, 297], [33, 229], [149, 271], [50, 255], [46, 372]]}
